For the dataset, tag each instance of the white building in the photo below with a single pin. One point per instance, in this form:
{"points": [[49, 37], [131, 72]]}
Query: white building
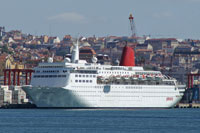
{"points": [[5, 95]]}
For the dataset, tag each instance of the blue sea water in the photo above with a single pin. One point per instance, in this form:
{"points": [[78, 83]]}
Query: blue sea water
{"points": [[117, 121]]}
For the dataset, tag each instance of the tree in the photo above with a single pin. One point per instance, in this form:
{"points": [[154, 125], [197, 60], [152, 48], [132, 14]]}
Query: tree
{"points": [[5, 49]]}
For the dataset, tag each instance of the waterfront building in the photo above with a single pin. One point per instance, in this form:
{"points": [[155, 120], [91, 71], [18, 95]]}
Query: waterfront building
{"points": [[5, 95]]}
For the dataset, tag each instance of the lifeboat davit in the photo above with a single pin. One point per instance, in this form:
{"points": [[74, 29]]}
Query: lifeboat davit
{"points": [[128, 57]]}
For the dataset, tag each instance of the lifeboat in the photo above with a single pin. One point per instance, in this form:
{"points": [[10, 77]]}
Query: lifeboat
{"points": [[126, 77], [118, 77]]}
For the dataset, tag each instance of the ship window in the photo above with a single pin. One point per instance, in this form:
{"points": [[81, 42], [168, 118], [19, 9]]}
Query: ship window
{"points": [[46, 76], [80, 81], [76, 75], [59, 75], [90, 81], [79, 75], [83, 81], [76, 80], [87, 75], [83, 75], [87, 81], [94, 76]]}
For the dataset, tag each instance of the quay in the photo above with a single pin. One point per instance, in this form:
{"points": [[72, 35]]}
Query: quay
{"points": [[19, 106], [188, 105]]}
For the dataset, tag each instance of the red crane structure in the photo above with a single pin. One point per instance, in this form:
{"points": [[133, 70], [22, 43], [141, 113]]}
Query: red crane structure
{"points": [[191, 79], [11, 80], [132, 24]]}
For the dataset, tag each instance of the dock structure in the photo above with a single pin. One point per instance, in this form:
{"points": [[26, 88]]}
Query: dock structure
{"points": [[195, 105], [188, 105], [191, 79], [192, 93], [10, 76]]}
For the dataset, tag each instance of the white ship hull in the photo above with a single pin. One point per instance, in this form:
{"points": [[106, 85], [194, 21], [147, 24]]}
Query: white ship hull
{"points": [[109, 96]]}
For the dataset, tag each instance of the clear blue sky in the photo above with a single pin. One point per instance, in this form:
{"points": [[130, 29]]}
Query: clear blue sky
{"points": [[159, 18]]}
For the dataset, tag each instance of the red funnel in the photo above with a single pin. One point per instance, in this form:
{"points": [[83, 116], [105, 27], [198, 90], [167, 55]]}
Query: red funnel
{"points": [[127, 58]]}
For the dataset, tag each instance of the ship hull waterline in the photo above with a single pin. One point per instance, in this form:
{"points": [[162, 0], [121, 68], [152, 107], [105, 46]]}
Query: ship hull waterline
{"points": [[62, 98]]}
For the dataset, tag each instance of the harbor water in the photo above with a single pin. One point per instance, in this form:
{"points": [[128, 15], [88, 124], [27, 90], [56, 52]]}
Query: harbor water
{"points": [[65, 120]]}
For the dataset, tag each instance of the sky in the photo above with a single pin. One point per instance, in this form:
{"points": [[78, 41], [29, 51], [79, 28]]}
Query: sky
{"points": [[157, 18]]}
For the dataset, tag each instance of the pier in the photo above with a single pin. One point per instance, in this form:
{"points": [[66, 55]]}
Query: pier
{"points": [[191, 98], [188, 105]]}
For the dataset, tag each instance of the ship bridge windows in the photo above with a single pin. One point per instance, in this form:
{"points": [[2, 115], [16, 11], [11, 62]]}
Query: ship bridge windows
{"points": [[49, 76], [50, 71], [84, 71]]}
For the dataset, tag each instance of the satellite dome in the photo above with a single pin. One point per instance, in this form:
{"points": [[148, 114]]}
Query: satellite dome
{"points": [[50, 60], [94, 59], [67, 60], [117, 62]]}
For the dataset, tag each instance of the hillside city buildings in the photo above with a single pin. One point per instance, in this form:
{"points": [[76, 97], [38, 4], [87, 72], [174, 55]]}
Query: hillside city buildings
{"points": [[171, 56]]}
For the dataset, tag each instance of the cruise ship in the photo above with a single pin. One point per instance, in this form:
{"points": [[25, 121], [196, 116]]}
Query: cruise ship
{"points": [[75, 83]]}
